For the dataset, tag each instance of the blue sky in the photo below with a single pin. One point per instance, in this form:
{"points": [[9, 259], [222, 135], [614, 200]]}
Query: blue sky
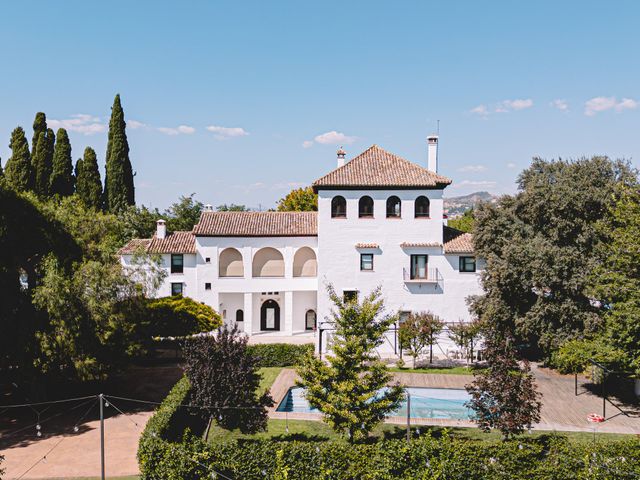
{"points": [[282, 84]]}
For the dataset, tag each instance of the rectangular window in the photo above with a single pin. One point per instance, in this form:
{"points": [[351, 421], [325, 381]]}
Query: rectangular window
{"points": [[207, 260], [350, 295], [366, 261], [467, 264], [176, 289], [418, 266], [403, 316], [177, 263], [207, 286]]}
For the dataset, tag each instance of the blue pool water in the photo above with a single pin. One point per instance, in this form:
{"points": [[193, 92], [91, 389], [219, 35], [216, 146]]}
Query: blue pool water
{"points": [[425, 403]]}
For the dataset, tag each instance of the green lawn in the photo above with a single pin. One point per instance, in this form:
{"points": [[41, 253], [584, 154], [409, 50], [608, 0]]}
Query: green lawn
{"points": [[133, 477], [307, 430], [461, 370], [269, 375]]}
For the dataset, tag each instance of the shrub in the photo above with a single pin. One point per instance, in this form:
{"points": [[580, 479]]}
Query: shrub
{"points": [[551, 457], [280, 354], [177, 316], [574, 355]]}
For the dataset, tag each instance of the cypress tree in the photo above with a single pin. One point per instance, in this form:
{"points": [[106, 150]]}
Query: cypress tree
{"points": [[1, 171], [39, 126], [62, 174], [18, 167], [118, 180], [41, 166], [88, 186]]}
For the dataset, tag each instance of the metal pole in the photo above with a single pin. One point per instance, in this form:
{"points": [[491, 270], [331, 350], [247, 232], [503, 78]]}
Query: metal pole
{"points": [[101, 400], [320, 343], [408, 417], [576, 384], [604, 396]]}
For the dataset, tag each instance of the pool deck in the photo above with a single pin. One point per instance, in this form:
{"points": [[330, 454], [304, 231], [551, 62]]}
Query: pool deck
{"points": [[562, 410]]}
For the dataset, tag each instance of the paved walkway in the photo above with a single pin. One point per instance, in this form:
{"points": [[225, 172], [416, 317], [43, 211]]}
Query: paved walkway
{"points": [[561, 408]]}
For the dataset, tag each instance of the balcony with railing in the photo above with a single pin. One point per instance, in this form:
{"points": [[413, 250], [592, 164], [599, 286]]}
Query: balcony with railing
{"points": [[429, 275]]}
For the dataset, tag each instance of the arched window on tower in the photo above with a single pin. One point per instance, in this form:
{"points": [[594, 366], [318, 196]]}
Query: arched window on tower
{"points": [[422, 207], [393, 207], [338, 207], [365, 207]]}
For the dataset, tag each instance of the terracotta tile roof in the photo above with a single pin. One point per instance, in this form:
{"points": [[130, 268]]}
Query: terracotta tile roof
{"points": [[176, 242], [420, 244], [456, 241], [257, 224], [377, 168], [367, 245], [133, 245]]}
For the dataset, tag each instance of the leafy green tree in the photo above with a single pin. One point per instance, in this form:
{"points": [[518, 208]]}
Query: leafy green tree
{"points": [[39, 126], [574, 356], [118, 181], [17, 170], [225, 381], [464, 334], [183, 214], [540, 251], [617, 279], [347, 389], [140, 222], [178, 316], [232, 207], [88, 184], [42, 167], [62, 180], [418, 331], [504, 395], [464, 222], [299, 200]]}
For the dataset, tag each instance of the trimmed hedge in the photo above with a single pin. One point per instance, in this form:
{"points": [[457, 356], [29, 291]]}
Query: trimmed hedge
{"points": [[553, 457], [280, 354]]}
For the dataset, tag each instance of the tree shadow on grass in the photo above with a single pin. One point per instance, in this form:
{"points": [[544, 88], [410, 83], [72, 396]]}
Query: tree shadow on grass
{"points": [[300, 437]]}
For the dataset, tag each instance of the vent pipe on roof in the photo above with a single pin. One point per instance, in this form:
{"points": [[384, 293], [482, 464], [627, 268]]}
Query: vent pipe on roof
{"points": [[341, 155], [161, 229], [432, 153], [208, 207]]}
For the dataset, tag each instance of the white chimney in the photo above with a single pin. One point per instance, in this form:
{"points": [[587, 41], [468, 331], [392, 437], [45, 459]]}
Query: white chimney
{"points": [[432, 153], [161, 229], [341, 155], [208, 207]]}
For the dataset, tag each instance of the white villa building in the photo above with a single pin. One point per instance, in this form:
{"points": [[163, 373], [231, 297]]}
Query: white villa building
{"points": [[379, 222]]}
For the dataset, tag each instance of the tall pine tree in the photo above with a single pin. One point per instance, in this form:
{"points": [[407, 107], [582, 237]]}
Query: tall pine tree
{"points": [[62, 180], [18, 167], [88, 186], [41, 166], [118, 180]]}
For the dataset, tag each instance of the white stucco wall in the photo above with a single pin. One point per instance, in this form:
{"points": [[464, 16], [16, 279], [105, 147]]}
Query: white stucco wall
{"points": [[339, 259]]}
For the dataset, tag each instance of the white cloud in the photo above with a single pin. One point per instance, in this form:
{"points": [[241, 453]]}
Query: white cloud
{"points": [[180, 129], [601, 104], [472, 168], [330, 138], [511, 165], [223, 133], [134, 124], [502, 107], [560, 104], [81, 123], [474, 183]]}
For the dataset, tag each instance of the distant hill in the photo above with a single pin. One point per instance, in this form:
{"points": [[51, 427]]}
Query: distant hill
{"points": [[454, 206]]}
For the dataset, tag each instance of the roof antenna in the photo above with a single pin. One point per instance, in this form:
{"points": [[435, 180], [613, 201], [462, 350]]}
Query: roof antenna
{"points": [[438, 128]]}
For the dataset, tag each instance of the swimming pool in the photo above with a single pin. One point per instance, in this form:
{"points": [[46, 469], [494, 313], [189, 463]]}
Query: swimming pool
{"points": [[425, 403]]}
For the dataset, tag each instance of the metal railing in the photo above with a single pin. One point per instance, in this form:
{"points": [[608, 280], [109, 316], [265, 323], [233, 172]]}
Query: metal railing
{"points": [[432, 276]]}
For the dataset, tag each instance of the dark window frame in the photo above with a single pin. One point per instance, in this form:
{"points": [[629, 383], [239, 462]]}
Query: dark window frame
{"points": [[207, 285], [315, 320], [413, 266], [465, 267], [365, 207], [173, 288], [239, 315], [362, 256], [338, 207], [175, 267], [391, 207], [349, 295], [419, 207]]}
